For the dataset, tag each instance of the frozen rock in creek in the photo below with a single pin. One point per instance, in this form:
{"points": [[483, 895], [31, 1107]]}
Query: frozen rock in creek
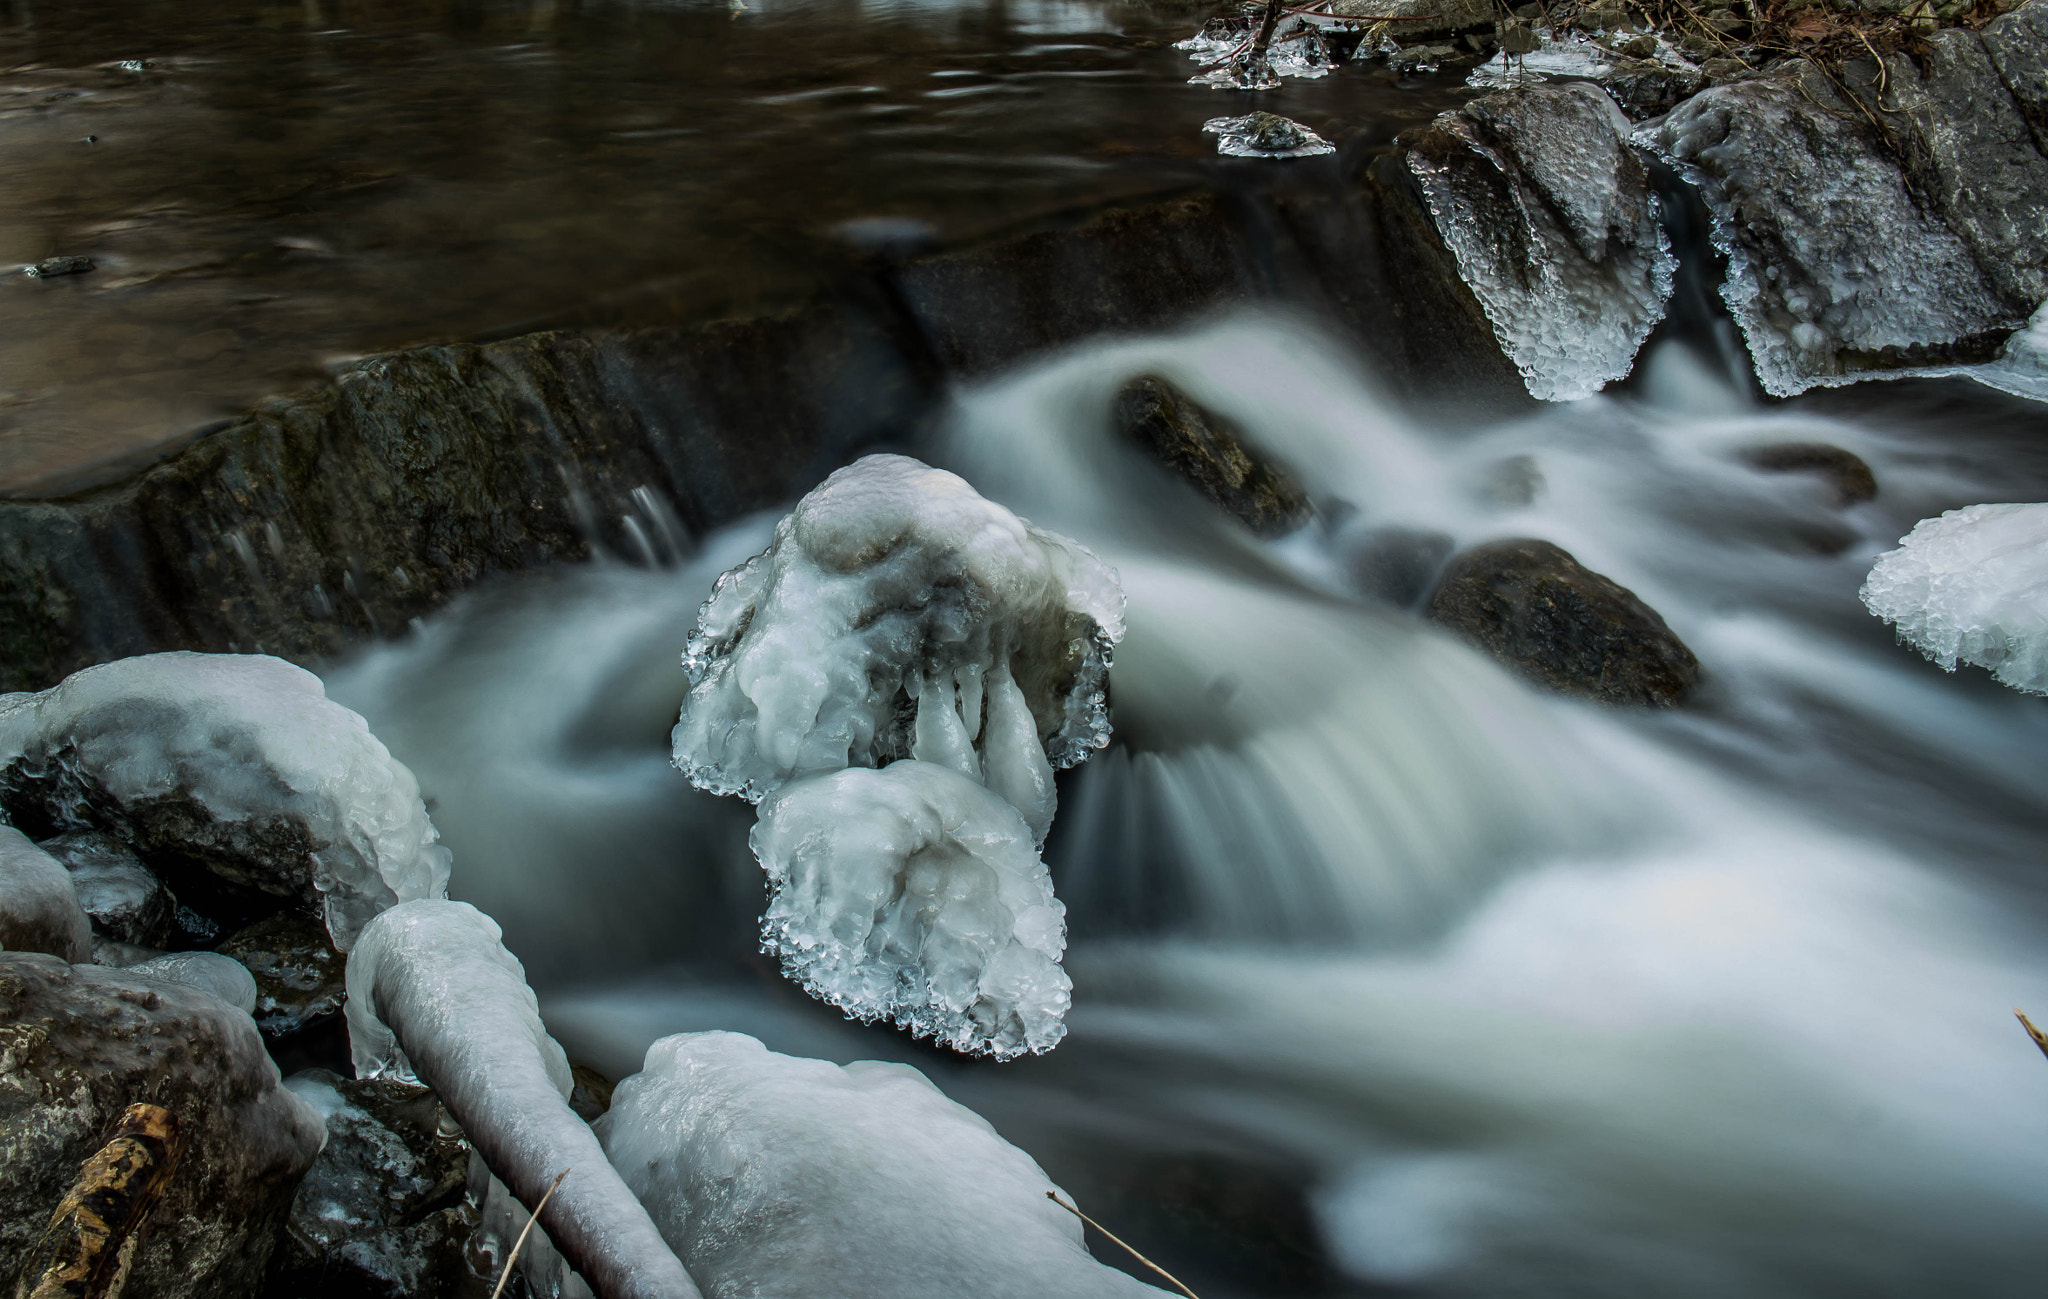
{"points": [[434, 997], [1538, 610], [1297, 49], [78, 1044], [1210, 452], [1420, 17], [1972, 587], [1265, 135], [236, 769], [1837, 271], [899, 614], [300, 978], [1553, 224], [784, 1178], [125, 899], [382, 1215], [210, 972], [1572, 57], [915, 895], [39, 911]]}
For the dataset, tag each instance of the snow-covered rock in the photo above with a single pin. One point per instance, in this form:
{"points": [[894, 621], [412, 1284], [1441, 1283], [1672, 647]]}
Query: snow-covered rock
{"points": [[238, 765], [899, 614], [39, 911], [1972, 587], [913, 894], [1554, 227], [784, 1178], [434, 997]]}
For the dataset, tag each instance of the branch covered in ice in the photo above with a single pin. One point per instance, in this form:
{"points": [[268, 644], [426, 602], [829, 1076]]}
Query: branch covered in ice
{"points": [[434, 997], [898, 614], [237, 761], [913, 894], [785, 1178], [1972, 587], [39, 910]]}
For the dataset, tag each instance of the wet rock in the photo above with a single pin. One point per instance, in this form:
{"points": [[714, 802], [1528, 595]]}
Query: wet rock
{"points": [[382, 1213], [1538, 610], [52, 267], [1398, 565], [590, 1094], [1211, 454], [1421, 58], [1551, 219], [1646, 88], [78, 1044], [39, 910], [1837, 267], [125, 899], [300, 977], [1844, 471]]}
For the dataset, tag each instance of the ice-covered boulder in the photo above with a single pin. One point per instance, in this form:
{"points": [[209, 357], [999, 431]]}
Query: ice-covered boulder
{"points": [[783, 1178], [434, 997], [209, 972], [899, 614], [1972, 587], [233, 771], [78, 1045], [1554, 227], [915, 895], [126, 900], [39, 911]]}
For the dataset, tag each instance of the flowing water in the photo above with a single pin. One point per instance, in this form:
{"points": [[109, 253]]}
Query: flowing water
{"points": [[1392, 974]]}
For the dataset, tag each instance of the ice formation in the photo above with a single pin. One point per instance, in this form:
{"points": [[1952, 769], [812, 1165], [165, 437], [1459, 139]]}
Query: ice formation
{"points": [[39, 912], [1265, 135], [434, 997], [240, 760], [1551, 218], [785, 1178], [915, 895], [1297, 49], [210, 972], [899, 614], [1972, 587], [1572, 57]]}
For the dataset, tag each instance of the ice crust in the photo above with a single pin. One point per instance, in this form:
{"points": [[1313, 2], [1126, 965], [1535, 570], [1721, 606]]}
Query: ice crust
{"points": [[777, 1177], [434, 997], [245, 750], [899, 614], [1972, 587], [1296, 50], [1239, 137], [913, 894], [39, 910], [1551, 219], [210, 972]]}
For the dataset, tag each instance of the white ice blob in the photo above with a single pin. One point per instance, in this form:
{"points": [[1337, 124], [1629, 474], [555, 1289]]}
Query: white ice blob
{"points": [[1972, 587], [210, 972], [899, 614], [778, 1177], [915, 895], [241, 759]]}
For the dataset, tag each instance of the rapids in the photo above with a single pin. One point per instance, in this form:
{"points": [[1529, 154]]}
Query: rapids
{"points": [[1392, 974]]}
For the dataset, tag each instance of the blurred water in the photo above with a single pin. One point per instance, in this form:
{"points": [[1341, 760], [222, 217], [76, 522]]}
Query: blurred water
{"points": [[1394, 975]]}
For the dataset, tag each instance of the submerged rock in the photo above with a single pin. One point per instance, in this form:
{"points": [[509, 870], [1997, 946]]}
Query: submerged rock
{"points": [[1845, 472], [1538, 610], [1398, 565], [78, 1044], [1553, 225], [39, 910], [1211, 453]]}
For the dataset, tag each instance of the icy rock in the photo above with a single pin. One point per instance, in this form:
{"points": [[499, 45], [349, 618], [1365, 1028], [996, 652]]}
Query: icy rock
{"points": [[1972, 587], [1553, 224], [235, 765], [382, 1213], [899, 614], [1265, 135], [300, 978], [783, 1178], [125, 899], [39, 911], [78, 1044], [1573, 57], [434, 997], [1297, 49], [209, 972], [1836, 270], [913, 894], [1419, 17]]}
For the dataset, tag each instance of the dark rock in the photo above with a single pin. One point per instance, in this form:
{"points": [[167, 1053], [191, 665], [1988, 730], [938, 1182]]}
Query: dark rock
{"points": [[1639, 47], [55, 266], [39, 909], [1720, 70], [1422, 58], [592, 1094], [300, 978], [1845, 471], [2018, 44], [125, 899], [1273, 133], [1646, 88], [1535, 608], [78, 1044], [1398, 565], [1211, 454], [382, 1213]]}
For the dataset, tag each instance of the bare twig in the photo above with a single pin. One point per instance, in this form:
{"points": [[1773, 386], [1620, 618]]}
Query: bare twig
{"points": [[1172, 1280], [2040, 1038], [519, 1244]]}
